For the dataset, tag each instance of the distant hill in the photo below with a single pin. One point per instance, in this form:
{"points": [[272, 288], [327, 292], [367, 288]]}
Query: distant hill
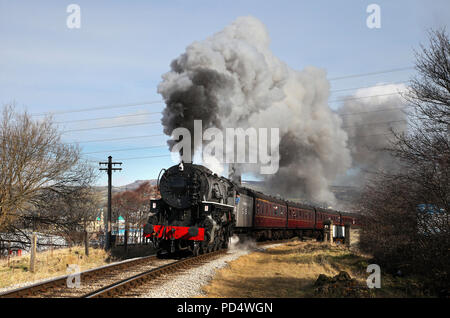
{"points": [[127, 187]]}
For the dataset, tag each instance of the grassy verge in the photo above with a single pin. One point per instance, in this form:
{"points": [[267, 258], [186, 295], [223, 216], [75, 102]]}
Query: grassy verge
{"points": [[48, 264], [292, 269]]}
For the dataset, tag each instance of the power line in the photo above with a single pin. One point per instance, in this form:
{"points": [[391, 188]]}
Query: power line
{"points": [[361, 97], [376, 123], [160, 146], [97, 108], [150, 123], [102, 118], [383, 134], [114, 139], [117, 126], [161, 101], [126, 149], [335, 100], [372, 73], [146, 157], [361, 87], [373, 111]]}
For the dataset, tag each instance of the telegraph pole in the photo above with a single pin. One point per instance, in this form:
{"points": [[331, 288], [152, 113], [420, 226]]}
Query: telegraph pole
{"points": [[109, 170]]}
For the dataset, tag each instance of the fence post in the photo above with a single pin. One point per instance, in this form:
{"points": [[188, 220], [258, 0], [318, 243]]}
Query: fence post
{"points": [[86, 243], [348, 234], [9, 251], [125, 238], [328, 229], [33, 252]]}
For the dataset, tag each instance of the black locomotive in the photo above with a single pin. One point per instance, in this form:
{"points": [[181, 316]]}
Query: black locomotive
{"points": [[200, 211], [195, 212]]}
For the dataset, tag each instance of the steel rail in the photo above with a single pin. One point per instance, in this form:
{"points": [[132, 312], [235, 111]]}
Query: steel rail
{"points": [[121, 286], [61, 281]]}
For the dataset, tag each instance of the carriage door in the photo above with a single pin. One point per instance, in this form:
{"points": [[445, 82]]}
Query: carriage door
{"points": [[244, 211]]}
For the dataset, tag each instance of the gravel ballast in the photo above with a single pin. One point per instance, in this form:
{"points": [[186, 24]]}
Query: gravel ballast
{"points": [[190, 283]]}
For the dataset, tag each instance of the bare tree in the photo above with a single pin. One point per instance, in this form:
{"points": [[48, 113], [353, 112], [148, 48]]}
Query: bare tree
{"points": [[425, 150], [406, 213], [43, 182], [32, 159]]}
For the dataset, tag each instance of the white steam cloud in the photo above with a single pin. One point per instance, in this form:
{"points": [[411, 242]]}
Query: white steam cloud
{"points": [[369, 122]]}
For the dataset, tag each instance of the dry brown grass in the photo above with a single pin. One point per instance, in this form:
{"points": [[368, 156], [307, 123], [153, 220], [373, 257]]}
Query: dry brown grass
{"points": [[285, 271], [48, 264]]}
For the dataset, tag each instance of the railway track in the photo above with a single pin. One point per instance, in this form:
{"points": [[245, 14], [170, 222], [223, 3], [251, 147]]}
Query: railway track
{"points": [[127, 287], [90, 279], [116, 279], [118, 288]]}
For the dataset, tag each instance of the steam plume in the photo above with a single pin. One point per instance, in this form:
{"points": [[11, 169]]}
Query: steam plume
{"points": [[232, 80], [369, 123]]}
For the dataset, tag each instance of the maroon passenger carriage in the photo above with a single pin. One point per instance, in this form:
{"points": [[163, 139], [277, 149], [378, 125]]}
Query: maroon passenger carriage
{"points": [[265, 217]]}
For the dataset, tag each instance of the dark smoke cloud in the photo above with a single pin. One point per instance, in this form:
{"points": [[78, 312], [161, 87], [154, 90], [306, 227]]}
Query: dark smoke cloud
{"points": [[198, 101]]}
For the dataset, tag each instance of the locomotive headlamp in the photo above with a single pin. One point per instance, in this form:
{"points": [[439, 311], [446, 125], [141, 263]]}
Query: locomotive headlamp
{"points": [[206, 208]]}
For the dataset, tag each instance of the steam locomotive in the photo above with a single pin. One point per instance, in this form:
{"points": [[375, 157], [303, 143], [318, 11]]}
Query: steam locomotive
{"points": [[199, 211]]}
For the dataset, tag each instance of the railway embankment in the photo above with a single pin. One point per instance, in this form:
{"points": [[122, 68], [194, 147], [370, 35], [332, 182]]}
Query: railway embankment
{"points": [[305, 269]]}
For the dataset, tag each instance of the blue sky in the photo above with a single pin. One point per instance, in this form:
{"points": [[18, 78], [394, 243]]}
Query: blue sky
{"points": [[122, 49]]}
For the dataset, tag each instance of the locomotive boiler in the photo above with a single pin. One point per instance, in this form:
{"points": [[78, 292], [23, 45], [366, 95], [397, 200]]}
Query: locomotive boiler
{"points": [[195, 212]]}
